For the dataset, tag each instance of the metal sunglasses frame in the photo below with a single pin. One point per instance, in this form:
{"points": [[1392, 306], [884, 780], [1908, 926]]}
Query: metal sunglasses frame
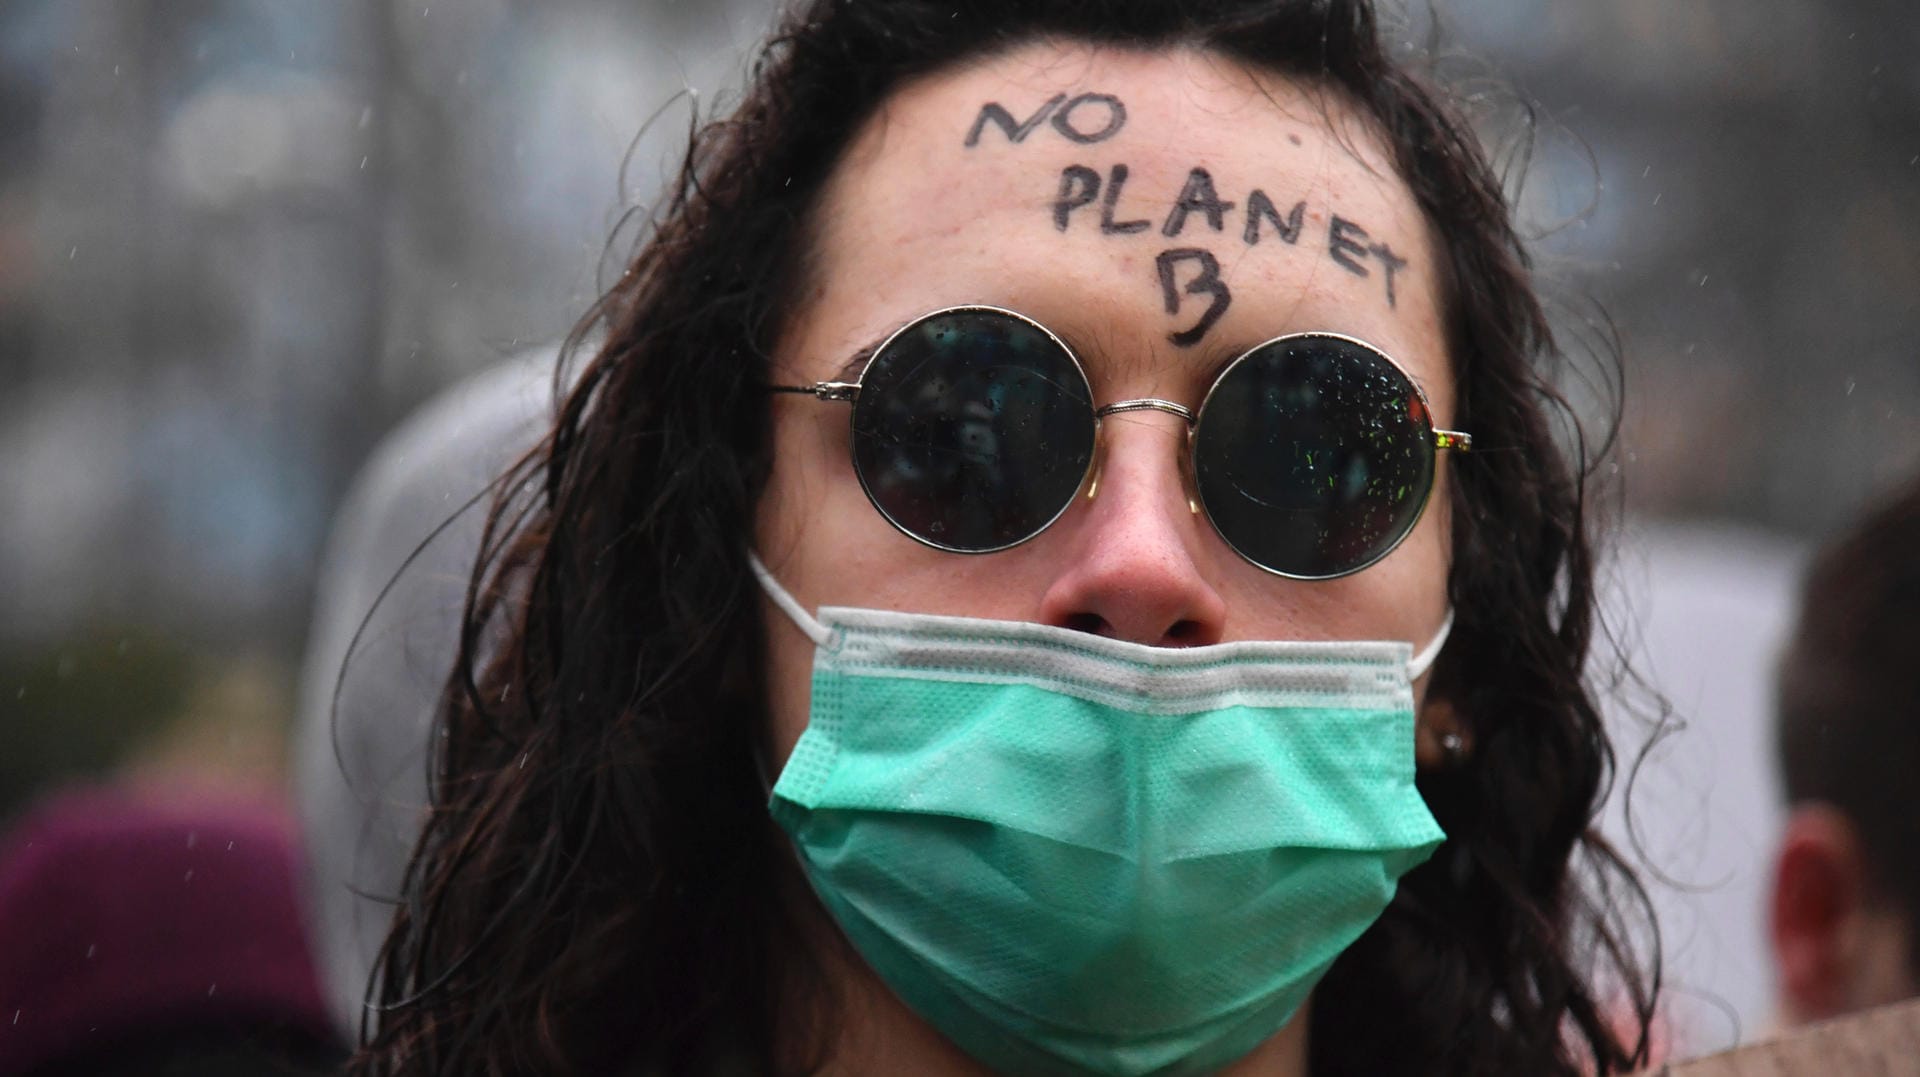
{"points": [[848, 392]]}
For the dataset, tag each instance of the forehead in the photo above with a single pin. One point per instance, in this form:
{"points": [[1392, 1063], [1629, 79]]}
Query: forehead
{"points": [[1153, 205]]}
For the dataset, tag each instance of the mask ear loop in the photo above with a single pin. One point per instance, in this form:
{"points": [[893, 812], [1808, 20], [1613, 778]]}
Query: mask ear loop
{"points": [[820, 634], [1451, 743], [1422, 661]]}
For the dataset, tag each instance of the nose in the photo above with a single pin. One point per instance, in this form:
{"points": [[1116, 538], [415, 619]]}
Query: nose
{"points": [[1133, 567]]}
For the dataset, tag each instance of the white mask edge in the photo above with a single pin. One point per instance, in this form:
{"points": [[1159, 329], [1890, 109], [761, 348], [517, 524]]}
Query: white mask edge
{"points": [[820, 634]]}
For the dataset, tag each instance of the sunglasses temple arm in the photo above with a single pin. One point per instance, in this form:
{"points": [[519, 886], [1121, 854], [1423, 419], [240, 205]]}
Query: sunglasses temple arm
{"points": [[822, 390], [1452, 439]]}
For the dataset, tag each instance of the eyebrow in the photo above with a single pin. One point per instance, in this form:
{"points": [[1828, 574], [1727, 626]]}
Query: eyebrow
{"points": [[856, 366], [1216, 356], [1222, 355]]}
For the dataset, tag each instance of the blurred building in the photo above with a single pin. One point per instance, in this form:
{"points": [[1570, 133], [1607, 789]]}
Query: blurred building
{"points": [[240, 238]]}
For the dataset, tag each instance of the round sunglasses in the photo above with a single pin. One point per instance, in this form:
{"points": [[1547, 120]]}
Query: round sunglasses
{"points": [[974, 428]]}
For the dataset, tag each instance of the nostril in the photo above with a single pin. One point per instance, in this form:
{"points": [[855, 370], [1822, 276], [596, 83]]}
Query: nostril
{"points": [[1185, 632], [1090, 623]]}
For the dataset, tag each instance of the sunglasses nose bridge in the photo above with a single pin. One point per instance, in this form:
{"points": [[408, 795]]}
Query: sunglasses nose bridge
{"points": [[1189, 488], [1153, 403], [1147, 403]]}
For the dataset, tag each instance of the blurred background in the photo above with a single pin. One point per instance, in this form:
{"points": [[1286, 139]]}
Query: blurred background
{"points": [[240, 239]]}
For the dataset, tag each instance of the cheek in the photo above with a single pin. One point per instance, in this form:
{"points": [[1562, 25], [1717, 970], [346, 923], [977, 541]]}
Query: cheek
{"points": [[814, 523], [1416, 573], [790, 521], [1435, 530], [792, 496], [1421, 570], [789, 686]]}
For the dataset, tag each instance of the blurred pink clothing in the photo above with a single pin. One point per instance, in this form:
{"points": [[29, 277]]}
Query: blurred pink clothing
{"points": [[122, 918]]}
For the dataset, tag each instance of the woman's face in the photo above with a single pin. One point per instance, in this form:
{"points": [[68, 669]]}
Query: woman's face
{"points": [[995, 184]]}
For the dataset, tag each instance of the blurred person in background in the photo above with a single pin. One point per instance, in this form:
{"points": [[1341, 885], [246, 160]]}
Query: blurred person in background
{"points": [[385, 631], [143, 936], [1845, 906], [1095, 740]]}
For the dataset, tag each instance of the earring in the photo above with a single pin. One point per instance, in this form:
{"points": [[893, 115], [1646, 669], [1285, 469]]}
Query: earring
{"points": [[1440, 739]]}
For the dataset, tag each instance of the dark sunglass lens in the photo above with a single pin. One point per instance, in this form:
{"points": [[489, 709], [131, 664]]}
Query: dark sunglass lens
{"points": [[972, 430], [1314, 456]]}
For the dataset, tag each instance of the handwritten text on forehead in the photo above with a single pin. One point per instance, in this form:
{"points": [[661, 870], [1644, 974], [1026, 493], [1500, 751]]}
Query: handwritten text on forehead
{"points": [[1091, 197]]}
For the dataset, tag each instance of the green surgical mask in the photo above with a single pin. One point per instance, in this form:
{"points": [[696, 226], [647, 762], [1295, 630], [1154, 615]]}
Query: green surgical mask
{"points": [[1076, 855]]}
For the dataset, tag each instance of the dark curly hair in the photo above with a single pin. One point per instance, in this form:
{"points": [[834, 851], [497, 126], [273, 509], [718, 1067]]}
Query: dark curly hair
{"points": [[599, 888]]}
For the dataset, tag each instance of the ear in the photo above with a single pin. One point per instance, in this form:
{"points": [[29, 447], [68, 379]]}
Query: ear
{"points": [[1440, 736], [1818, 913]]}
